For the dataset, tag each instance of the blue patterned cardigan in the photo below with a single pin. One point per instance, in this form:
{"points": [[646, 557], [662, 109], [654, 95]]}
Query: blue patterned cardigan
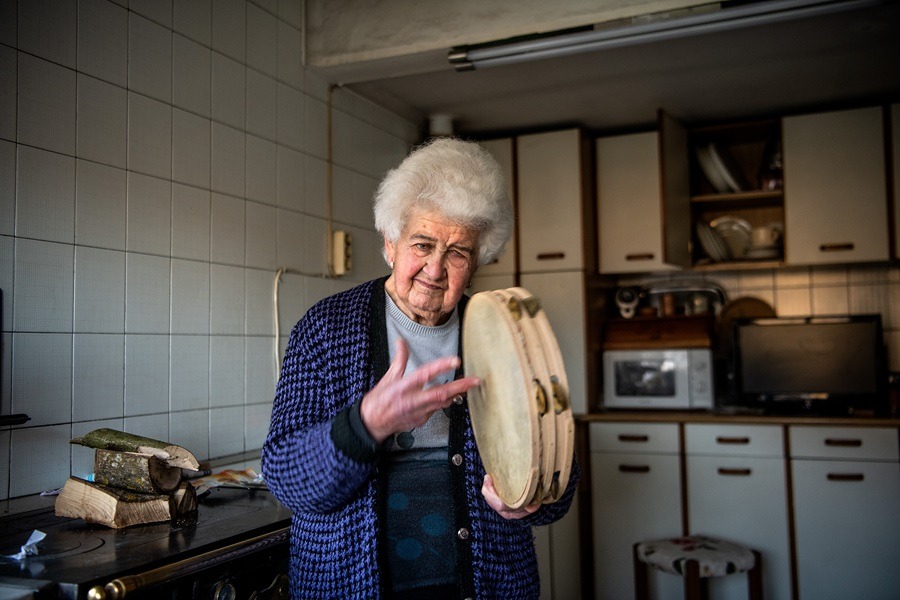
{"points": [[332, 482]]}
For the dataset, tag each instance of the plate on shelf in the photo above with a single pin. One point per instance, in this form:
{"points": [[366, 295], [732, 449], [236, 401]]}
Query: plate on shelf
{"points": [[736, 233], [722, 172], [760, 252], [714, 246], [713, 175]]}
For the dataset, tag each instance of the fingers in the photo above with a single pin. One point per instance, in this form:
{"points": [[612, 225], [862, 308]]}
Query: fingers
{"points": [[494, 501]]}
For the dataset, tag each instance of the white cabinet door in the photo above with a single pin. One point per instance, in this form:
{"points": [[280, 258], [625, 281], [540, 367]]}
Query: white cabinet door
{"points": [[551, 201], [847, 523], [737, 491], [846, 512], [502, 150], [629, 206], [636, 496], [835, 195], [562, 297]]}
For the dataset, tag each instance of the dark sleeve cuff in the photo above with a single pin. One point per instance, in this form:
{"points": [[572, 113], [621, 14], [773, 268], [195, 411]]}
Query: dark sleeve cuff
{"points": [[351, 437]]}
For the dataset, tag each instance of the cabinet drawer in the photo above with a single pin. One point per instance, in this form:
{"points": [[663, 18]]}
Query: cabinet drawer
{"points": [[734, 440], [634, 437], [852, 443]]}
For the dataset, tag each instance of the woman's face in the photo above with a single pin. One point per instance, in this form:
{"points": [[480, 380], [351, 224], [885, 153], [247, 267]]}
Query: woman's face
{"points": [[434, 259]]}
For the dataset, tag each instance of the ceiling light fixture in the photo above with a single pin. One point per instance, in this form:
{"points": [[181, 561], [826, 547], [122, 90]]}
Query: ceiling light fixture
{"points": [[729, 15]]}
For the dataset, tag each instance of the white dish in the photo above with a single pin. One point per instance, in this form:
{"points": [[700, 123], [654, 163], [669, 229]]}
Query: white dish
{"points": [[763, 252], [711, 171], [714, 246], [719, 165], [736, 233]]}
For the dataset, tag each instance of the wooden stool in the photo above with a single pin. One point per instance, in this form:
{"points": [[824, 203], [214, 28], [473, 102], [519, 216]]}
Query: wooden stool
{"points": [[695, 558]]}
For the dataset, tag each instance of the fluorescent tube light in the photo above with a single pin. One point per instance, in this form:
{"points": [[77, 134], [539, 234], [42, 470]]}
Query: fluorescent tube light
{"points": [[479, 56]]}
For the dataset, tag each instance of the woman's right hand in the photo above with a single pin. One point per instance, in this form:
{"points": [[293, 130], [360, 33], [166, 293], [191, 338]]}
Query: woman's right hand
{"points": [[400, 402]]}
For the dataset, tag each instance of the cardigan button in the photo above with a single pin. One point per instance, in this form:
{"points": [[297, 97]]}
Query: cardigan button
{"points": [[463, 533], [457, 459], [458, 399]]}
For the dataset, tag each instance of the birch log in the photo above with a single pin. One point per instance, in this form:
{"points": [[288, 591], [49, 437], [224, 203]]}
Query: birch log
{"points": [[109, 506], [134, 471], [112, 439]]}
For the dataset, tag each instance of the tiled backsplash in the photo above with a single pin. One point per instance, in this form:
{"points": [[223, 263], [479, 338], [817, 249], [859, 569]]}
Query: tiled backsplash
{"points": [[816, 291], [158, 164]]}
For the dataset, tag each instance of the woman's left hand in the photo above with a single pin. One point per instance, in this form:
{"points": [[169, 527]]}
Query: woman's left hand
{"points": [[494, 501]]}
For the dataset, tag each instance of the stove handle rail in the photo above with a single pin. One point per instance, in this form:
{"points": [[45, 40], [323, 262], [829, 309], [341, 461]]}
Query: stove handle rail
{"points": [[119, 588]]}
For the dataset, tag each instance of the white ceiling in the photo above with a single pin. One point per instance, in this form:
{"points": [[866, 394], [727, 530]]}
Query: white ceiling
{"points": [[831, 61]]}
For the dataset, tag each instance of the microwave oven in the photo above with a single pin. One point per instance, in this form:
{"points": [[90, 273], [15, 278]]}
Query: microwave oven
{"points": [[665, 378]]}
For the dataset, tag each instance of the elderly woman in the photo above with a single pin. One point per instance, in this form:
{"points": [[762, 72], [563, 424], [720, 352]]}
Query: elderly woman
{"points": [[370, 443]]}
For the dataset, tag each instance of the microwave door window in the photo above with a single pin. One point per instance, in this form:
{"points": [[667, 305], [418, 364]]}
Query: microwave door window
{"points": [[645, 378]]}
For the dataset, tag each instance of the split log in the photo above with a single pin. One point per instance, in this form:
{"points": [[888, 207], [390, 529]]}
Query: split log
{"points": [[135, 471], [184, 499], [110, 506], [112, 439]]}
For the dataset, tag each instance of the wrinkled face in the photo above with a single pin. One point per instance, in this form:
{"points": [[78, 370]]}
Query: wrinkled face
{"points": [[434, 259]]}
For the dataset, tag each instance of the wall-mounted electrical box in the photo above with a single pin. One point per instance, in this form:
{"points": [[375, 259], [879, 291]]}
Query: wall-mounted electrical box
{"points": [[342, 252]]}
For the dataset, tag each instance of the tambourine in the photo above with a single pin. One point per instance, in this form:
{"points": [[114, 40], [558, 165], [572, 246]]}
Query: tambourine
{"points": [[521, 415]]}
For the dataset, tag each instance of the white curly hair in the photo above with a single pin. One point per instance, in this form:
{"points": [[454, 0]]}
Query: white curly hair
{"points": [[456, 178]]}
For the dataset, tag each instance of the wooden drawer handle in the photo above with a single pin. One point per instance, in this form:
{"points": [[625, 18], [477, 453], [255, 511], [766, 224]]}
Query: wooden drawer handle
{"points": [[551, 256], [634, 469], [843, 443], [734, 441], [836, 247], [846, 477], [624, 437], [640, 256], [738, 472]]}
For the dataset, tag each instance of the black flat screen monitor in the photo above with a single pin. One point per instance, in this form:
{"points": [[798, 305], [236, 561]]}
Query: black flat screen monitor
{"points": [[811, 364]]}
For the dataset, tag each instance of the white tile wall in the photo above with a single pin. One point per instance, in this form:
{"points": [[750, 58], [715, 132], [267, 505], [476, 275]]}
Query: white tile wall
{"points": [[103, 41], [102, 133], [158, 162]]}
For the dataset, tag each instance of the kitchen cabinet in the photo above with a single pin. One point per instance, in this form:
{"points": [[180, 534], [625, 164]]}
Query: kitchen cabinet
{"points": [[630, 222], [502, 150], [846, 512], [635, 477], [895, 167], [736, 186], [555, 202], [835, 188], [737, 490]]}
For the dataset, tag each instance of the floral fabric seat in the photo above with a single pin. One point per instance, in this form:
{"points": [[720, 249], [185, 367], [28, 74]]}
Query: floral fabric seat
{"points": [[715, 557], [696, 558]]}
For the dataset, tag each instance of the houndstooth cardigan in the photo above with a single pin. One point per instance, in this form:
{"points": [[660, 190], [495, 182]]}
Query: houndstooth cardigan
{"points": [[331, 482]]}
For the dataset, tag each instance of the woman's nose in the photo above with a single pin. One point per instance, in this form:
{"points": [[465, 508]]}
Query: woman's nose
{"points": [[434, 266]]}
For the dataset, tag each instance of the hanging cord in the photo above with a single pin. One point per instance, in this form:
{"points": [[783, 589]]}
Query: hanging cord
{"points": [[277, 324]]}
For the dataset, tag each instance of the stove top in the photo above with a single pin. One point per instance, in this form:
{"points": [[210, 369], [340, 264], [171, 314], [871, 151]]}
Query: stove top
{"points": [[76, 555]]}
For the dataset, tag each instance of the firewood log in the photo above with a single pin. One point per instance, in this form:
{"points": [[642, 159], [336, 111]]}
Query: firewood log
{"points": [[184, 499], [111, 506], [112, 439], [135, 471]]}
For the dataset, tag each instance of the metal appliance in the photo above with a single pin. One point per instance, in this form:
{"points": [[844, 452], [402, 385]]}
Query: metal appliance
{"points": [[660, 378], [235, 547]]}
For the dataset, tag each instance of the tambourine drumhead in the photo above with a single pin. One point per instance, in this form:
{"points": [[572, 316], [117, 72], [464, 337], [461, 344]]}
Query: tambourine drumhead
{"points": [[520, 414], [506, 428]]}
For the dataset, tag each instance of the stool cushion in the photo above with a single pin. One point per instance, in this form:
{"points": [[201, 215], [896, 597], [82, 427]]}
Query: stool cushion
{"points": [[714, 557]]}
